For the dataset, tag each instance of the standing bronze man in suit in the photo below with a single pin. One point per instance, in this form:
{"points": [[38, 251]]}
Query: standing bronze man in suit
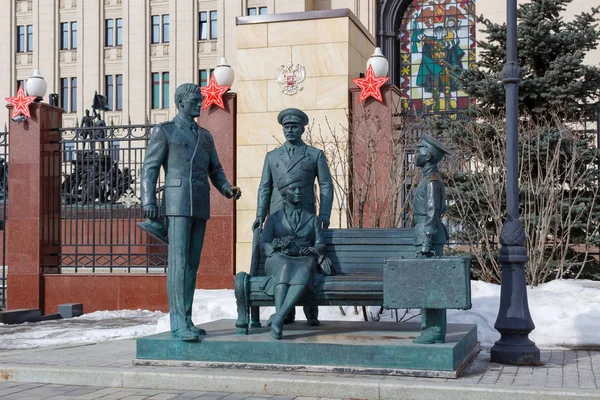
{"points": [[309, 163], [189, 158]]}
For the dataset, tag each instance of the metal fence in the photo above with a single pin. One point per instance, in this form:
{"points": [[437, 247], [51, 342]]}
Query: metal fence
{"points": [[100, 193], [3, 211]]}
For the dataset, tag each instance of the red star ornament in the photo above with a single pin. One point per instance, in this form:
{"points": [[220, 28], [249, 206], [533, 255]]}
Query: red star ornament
{"points": [[213, 93], [370, 85], [20, 103]]}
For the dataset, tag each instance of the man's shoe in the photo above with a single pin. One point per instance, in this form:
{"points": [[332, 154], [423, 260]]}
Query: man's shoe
{"points": [[429, 336], [291, 317], [196, 330], [313, 322], [185, 334]]}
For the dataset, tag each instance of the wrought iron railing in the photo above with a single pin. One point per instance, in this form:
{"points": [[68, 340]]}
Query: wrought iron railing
{"points": [[100, 192]]}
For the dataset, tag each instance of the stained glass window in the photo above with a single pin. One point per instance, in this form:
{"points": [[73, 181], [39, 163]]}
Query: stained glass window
{"points": [[437, 42]]}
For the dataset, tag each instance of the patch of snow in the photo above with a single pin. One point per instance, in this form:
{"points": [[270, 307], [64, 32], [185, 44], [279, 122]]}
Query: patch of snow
{"points": [[566, 313]]}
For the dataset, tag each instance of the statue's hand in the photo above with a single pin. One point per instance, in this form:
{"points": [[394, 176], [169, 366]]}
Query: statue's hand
{"points": [[307, 251], [233, 192], [151, 211], [324, 220], [258, 222], [327, 266]]}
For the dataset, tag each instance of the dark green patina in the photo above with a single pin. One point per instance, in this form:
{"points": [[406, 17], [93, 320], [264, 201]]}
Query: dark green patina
{"points": [[436, 282], [379, 346]]}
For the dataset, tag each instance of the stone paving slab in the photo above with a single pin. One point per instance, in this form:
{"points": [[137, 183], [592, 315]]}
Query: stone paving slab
{"points": [[9, 390], [564, 374]]}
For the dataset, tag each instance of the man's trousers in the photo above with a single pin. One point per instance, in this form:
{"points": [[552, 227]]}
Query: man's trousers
{"points": [[186, 237]]}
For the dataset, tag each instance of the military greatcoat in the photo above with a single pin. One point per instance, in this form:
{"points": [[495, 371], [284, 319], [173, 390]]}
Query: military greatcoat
{"points": [[429, 205], [308, 162]]}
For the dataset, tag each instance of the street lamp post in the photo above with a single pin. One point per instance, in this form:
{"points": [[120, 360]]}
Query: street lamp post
{"points": [[514, 320]]}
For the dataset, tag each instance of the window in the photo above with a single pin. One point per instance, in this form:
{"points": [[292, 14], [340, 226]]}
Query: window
{"points": [[165, 89], [160, 29], [69, 153], [108, 90], [113, 33], [203, 79], [20, 83], [64, 93], [160, 90], [213, 24], [257, 11], [73, 94], [165, 28], [29, 37], [113, 147], [20, 38], [119, 97], [203, 31], [64, 35], [73, 35], [155, 90], [155, 29], [119, 38], [204, 76], [109, 33], [437, 43]]}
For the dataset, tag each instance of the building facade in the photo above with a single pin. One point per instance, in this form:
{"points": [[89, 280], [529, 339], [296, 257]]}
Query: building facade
{"points": [[136, 52]]}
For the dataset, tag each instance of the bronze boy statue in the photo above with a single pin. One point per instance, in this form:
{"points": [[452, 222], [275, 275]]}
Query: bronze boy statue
{"points": [[189, 158], [430, 232]]}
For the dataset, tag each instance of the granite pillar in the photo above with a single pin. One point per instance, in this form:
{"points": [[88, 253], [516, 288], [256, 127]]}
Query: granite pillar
{"points": [[34, 205], [217, 264], [372, 158]]}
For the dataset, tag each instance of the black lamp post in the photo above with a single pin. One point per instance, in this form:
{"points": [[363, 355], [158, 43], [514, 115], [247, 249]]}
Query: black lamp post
{"points": [[514, 321]]}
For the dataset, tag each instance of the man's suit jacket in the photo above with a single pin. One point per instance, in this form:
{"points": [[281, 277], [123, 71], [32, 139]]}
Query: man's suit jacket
{"points": [[310, 163], [188, 163]]}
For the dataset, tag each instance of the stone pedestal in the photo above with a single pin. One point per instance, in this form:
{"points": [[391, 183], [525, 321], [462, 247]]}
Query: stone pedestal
{"points": [[354, 347], [217, 264], [33, 223]]}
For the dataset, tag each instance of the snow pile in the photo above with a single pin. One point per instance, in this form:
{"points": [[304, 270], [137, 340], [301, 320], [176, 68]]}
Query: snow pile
{"points": [[99, 326], [566, 313]]}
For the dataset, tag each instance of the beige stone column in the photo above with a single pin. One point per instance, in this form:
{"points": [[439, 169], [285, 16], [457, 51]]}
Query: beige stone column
{"points": [[333, 46]]}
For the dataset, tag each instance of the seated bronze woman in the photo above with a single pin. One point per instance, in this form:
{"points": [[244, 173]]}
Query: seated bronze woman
{"points": [[293, 242]]}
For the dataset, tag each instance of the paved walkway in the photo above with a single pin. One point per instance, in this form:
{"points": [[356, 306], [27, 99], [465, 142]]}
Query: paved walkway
{"points": [[107, 368], [38, 391]]}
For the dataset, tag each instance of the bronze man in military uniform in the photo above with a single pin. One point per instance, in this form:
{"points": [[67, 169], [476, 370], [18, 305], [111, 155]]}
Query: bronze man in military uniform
{"points": [[430, 233], [309, 163], [189, 158]]}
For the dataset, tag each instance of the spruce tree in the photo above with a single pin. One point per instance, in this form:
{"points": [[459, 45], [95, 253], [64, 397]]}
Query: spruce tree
{"points": [[558, 162]]}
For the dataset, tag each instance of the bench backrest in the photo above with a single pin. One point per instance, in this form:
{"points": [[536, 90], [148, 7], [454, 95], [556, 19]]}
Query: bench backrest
{"points": [[362, 251]]}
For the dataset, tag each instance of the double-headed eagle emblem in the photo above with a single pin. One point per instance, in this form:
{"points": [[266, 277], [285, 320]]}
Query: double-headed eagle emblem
{"points": [[290, 77]]}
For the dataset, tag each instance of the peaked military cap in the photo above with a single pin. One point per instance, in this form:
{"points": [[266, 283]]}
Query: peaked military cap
{"points": [[292, 115], [436, 144]]}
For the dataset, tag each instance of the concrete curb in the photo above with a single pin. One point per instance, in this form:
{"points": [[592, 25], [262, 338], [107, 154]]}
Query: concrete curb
{"points": [[277, 383]]}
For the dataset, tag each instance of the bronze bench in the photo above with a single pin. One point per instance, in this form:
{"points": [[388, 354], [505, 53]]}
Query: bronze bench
{"points": [[358, 256]]}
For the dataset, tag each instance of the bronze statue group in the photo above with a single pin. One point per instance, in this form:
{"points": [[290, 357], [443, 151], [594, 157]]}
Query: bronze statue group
{"points": [[291, 231]]}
